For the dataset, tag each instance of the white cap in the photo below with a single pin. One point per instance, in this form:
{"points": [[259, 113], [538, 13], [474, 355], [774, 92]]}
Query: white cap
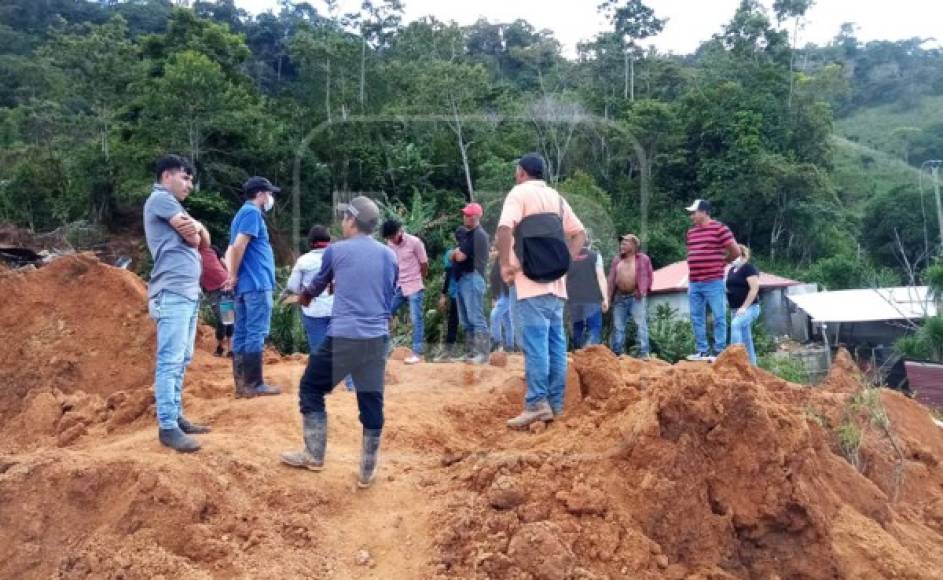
{"points": [[699, 205]]}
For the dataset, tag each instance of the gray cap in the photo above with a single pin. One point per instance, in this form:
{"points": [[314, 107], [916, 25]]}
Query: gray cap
{"points": [[363, 209]]}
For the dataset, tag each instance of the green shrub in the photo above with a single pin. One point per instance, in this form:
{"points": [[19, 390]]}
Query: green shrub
{"points": [[287, 334], [786, 368], [671, 337]]}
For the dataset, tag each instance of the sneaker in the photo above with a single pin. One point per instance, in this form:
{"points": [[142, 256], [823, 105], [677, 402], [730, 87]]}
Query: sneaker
{"points": [[444, 354], [412, 359], [528, 416], [699, 356]]}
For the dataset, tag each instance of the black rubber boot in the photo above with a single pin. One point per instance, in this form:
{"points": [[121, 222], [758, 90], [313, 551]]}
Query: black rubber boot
{"points": [[369, 457], [314, 430], [469, 347], [191, 428], [481, 349], [238, 376], [254, 386], [178, 440]]}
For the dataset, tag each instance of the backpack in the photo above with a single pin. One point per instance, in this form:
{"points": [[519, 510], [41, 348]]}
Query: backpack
{"points": [[541, 247]]}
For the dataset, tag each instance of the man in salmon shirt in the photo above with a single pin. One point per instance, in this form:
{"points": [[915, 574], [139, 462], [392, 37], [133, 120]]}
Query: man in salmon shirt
{"points": [[539, 306]]}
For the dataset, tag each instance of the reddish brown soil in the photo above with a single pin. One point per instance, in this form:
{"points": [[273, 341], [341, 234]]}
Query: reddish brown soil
{"points": [[655, 471], [696, 470]]}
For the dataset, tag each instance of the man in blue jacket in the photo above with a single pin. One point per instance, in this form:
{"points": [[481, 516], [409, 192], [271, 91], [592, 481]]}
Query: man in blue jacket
{"points": [[365, 276]]}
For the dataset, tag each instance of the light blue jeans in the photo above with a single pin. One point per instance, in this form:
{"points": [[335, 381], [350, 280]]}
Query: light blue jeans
{"points": [[623, 307], [741, 332], [543, 339], [471, 307], [713, 295], [176, 317], [253, 320], [502, 327], [415, 301]]}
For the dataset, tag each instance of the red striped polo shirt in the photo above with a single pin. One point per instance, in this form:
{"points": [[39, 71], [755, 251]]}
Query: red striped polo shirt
{"points": [[706, 251]]}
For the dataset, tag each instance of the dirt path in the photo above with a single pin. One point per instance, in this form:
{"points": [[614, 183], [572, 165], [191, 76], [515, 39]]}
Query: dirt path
{"points": [[392, 520]]}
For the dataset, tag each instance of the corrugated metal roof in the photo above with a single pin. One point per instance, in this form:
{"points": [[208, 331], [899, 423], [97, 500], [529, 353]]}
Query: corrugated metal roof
{"points": [[867, 305], [674, 278]]}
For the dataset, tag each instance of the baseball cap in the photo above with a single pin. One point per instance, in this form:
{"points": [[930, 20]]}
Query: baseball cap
{"points": [[472, 209], [362, 208], [699, 205], [533, 164], [256, 183]]}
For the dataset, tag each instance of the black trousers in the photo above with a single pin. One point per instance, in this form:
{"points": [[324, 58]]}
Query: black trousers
{"points": [[363, 359], [451, 333]]}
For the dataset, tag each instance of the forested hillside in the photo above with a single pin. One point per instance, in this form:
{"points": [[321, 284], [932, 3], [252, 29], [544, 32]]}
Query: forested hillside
{"points": [[811, 154]]}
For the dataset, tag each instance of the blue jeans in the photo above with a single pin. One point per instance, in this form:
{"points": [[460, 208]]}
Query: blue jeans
{"points": [[253, 320], [625, 306], [587, 323], [740, 330], [415, 315], [540, 320], [176, 317], [515, 324], [502, 328], [316, 331], [471, 307], [702, 295]]}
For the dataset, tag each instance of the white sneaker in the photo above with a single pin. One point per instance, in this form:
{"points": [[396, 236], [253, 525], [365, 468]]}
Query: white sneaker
{"points": [[411, 360]]}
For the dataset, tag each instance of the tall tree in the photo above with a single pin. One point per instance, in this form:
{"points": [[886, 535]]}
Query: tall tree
{"points": [[633, 21]]}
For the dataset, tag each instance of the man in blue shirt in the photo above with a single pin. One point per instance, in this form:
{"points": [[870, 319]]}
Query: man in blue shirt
{"points": [[365, 276], [173, 294], [252, 278]]}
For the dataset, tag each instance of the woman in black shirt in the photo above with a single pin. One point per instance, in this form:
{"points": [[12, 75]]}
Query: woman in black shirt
{"points": [[743, 288]]}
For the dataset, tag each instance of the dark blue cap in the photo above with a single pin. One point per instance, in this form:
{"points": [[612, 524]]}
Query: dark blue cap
{"points": [[256, 183], [533, 164]]}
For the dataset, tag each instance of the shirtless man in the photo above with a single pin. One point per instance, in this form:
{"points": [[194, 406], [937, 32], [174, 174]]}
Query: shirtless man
{"points": [[630, 281]]}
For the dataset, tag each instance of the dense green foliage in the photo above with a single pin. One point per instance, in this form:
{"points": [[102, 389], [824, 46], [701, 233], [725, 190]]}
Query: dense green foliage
{"points": [[429, 114]]}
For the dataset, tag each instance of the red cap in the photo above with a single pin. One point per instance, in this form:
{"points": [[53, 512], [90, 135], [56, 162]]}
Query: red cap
{"points": [[472, 209]]}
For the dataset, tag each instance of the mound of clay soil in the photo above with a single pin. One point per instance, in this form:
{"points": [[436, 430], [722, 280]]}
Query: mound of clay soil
{"points": [[78, 351], [704, 471]]}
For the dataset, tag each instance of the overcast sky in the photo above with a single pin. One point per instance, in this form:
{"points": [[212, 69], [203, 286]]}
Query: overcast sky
{"points": [[689, 21]]}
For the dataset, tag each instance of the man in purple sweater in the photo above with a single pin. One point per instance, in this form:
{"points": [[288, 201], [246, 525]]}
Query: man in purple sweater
{"points": [[365, 274]]}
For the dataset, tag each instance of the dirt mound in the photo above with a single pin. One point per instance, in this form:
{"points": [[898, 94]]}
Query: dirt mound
{"points": [[716, 471], [79, 351], [122, 516]]}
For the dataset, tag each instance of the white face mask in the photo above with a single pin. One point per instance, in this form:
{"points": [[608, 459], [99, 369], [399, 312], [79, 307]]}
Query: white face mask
{"points": [[737, 263], [269, 202]]}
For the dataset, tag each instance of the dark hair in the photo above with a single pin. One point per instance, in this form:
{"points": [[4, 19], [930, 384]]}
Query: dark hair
{"points": [[172, 163], [390, 227], [318, 233]]}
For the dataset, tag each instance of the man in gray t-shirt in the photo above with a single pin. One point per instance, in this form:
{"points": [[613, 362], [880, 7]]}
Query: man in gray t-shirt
{"points": [[174, 294]]}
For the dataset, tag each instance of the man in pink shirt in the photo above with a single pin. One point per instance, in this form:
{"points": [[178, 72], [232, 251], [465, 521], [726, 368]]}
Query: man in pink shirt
{"points": [[539, 304], [413, 267]]}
